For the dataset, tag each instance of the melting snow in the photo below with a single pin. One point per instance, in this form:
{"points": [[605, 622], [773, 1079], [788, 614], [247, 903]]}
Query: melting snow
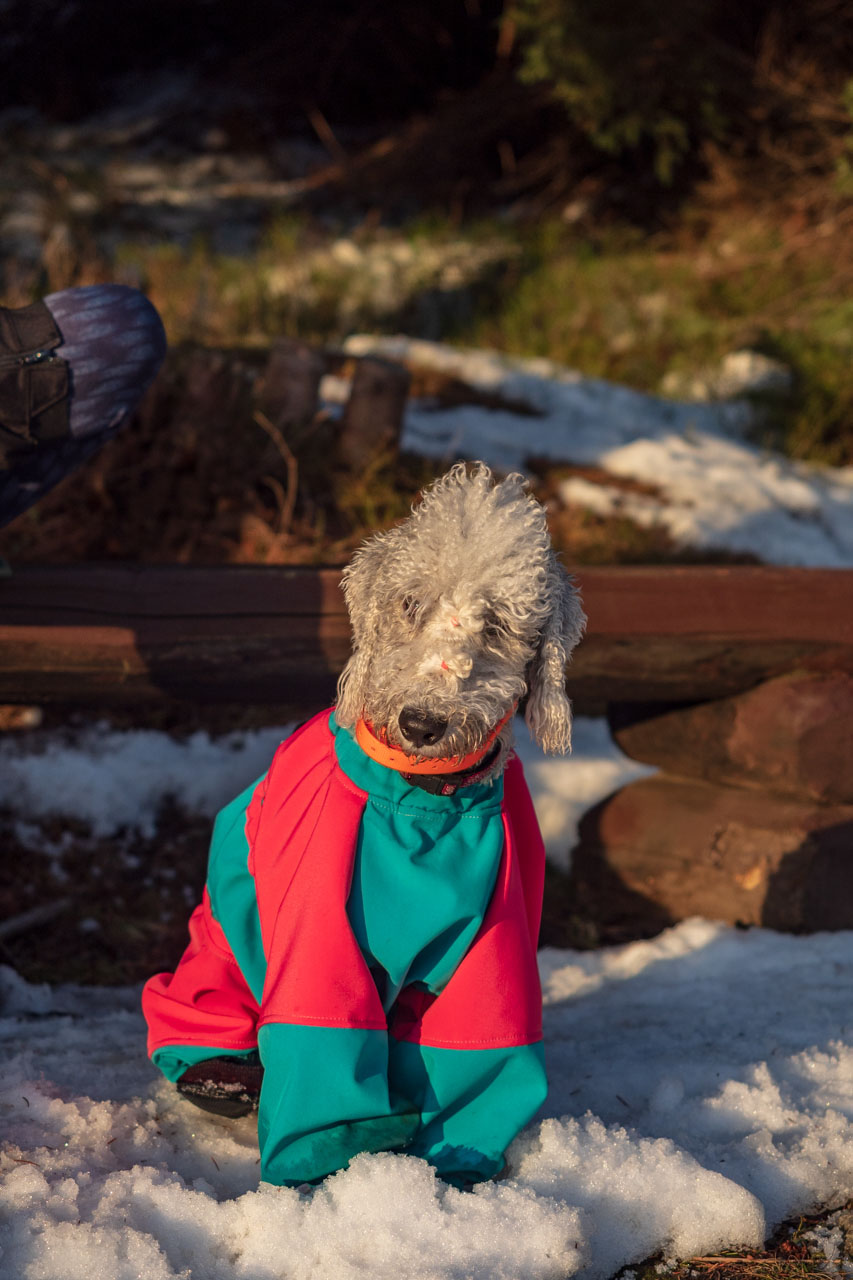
{"points": [[711, 488]]}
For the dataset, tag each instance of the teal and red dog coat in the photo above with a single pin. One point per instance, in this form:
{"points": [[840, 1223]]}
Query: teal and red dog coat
{"points": [[375, 944]]}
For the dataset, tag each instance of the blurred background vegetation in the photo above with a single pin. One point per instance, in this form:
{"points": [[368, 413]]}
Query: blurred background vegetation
{"points": [[632, 188]]}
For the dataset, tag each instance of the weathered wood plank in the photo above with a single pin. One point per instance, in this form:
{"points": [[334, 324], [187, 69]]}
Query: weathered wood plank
{"points": [[125, 632]]}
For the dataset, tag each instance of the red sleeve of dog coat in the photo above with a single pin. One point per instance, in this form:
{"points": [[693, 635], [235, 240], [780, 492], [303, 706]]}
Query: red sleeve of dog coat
{"points": [[527, 839], [302, 860], [206, 1000]]}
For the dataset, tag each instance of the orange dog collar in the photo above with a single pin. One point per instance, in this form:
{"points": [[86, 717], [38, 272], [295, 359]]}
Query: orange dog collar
{"points": [[380, 750]]}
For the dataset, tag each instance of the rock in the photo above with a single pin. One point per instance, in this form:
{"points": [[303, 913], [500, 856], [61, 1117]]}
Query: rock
{"points": [[661, 850], [792, 735]]}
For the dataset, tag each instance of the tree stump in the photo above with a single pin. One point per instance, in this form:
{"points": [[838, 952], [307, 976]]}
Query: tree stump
{"points": [[289, 389], [215, 392], [373, 416]]}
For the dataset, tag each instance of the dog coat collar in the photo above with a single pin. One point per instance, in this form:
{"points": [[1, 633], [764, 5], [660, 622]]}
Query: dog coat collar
{"points": [[379, 749]]}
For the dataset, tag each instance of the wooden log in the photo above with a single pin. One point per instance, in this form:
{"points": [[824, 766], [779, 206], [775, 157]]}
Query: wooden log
{"points": [[130, 633], [259, 633], [213, 392], [691, 633], [792, 736], [663, 849]]}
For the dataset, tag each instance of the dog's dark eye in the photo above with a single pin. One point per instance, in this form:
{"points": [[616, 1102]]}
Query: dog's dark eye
{"points": [[493, 627], [410, 607]]}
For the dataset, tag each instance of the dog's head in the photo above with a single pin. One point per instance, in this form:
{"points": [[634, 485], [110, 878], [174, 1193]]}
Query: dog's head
{"points": [[457, 613]]}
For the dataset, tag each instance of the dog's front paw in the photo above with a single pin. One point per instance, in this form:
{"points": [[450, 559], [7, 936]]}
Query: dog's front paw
{"points": [[224, 1086]]}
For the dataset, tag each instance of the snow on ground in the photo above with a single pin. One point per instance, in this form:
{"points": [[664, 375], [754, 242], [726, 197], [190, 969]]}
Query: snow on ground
{"points": [[701, 1090], [114, 780], [119, 781], [710, 487]]}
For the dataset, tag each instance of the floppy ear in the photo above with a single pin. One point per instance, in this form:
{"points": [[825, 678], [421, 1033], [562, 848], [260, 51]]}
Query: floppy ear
{"points": [[549, 712], [358, 588]]}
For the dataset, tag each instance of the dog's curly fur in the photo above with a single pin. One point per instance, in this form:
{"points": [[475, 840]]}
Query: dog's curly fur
{"points": [[457, 613]]}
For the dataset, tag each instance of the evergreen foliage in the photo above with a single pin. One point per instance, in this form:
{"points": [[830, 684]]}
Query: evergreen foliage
{"points": [[632, 75]]}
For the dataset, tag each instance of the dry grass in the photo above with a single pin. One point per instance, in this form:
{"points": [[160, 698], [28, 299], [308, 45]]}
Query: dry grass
{"points": [[793, 1253]]}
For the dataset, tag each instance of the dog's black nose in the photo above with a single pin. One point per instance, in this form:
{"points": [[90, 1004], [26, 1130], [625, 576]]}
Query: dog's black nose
{"points": [[421, 727]]}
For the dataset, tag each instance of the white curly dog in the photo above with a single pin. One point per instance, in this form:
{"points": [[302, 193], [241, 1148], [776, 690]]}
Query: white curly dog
{"points": [[457, 613], [363, 963]]}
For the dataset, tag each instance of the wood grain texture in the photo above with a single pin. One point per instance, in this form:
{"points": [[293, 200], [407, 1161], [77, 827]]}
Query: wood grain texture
{"points": [[125, 632]]}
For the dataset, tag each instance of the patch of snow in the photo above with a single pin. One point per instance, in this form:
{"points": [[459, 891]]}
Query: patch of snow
{"points": [[574, 411], [118, 780], [722, 493], [113, 780], [701, 1090], [335, 390], [712, 488], [739, 373]]}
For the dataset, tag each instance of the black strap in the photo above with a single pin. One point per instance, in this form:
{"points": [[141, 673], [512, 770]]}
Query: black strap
{"points": [[445, 784], [34, 384]]}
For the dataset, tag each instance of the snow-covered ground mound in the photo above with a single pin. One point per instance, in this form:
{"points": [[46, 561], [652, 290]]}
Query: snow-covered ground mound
{"points": [[701, 1091], [114, 780], [707, 486]]}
